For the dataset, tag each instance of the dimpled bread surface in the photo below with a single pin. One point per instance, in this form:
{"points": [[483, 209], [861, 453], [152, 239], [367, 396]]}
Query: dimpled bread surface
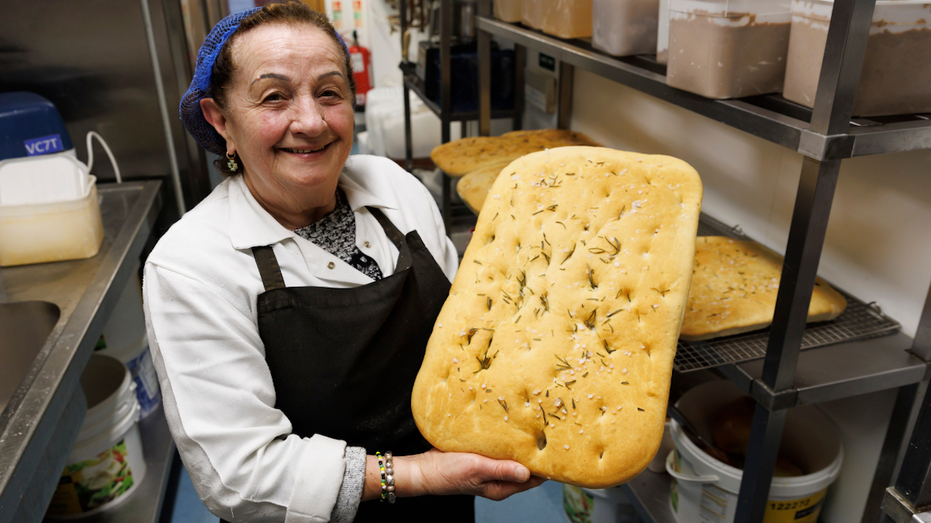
{"points": [[555, 346], [734, 287], [461, 157]]}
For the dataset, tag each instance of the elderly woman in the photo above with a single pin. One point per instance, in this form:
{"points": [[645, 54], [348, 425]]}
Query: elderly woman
{"points": [[288, 312]]}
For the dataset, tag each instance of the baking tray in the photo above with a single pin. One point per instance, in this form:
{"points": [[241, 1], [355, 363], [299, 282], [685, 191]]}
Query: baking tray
{"points": [[858, 321]]}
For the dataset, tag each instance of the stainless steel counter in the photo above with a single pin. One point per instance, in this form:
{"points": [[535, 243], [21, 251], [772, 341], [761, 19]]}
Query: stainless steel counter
{"points": [[39, 424]]}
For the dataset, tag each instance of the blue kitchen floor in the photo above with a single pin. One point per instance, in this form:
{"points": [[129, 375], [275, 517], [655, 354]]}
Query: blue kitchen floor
{"points": [[540, 505]]}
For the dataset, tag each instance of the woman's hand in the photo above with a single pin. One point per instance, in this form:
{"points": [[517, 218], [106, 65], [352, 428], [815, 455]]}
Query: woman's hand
{"points": [[444, 473]]}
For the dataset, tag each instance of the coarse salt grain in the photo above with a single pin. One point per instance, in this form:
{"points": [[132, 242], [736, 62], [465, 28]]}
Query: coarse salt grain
{"points": [[567, 447]]}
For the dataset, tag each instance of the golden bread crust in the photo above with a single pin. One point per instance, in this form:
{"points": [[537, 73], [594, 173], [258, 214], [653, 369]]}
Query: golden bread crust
{"points": [[734, 287], [473, 188], [461, 157], [555, 346]]}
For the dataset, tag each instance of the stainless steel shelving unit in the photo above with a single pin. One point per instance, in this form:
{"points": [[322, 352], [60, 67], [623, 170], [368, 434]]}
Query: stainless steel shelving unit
{"points": [[826, 135], [444, 109], [40, 424]]}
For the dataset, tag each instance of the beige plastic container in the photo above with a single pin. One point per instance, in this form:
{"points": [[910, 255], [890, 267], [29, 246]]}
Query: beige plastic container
{"points": [[568, 18], [53, 231], [533, 13], [508, 10], [728, 49], [896, 77], [625, 27]]}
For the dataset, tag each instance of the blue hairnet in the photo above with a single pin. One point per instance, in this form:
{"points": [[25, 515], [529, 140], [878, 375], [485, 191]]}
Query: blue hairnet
{"points": [[191, 115]]}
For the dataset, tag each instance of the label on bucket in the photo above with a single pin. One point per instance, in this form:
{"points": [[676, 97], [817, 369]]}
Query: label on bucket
{"points": [[805, 510], [578, 504], [143, 373], [88, 484]]}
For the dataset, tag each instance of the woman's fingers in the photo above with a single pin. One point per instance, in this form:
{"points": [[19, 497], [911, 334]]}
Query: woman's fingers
{"points": [[463, 473]]}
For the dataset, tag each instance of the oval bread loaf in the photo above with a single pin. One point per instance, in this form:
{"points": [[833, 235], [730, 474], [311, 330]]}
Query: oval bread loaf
{"points": [[466, 155], [555, 346], [734, 288]]}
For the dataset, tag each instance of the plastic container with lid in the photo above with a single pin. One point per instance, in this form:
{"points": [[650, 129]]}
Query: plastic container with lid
{"points": [[533, 13], [728, 48], [52, 231], [662, 33], [625, 27], [568, 18], [508, 10], [896, 76]]}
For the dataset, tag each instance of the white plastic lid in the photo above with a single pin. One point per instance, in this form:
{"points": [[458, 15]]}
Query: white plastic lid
{"points": [[731, 8], [886, 12], [42, 179]]}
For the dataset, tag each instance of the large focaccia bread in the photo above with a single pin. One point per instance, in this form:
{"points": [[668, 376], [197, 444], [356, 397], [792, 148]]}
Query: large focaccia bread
{"points": [[555, 346], [461, 157], [734, 287]]}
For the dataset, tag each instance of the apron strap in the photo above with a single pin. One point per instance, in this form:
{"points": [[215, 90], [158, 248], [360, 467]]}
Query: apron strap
{"points": [[396, 237], [268, 267], [270, 271]]}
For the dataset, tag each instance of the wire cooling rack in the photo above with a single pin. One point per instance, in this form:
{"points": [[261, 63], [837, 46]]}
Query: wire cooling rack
{"points": [[858, 321]]}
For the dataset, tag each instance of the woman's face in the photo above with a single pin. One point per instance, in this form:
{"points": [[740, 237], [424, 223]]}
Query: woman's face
{"points": [[289, 115]]}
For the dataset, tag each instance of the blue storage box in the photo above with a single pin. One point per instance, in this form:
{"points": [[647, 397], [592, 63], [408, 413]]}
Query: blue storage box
{"points": [[30, 125]]}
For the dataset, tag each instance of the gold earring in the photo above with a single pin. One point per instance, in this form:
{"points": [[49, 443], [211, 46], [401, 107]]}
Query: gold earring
{"points": [[231, 161]]}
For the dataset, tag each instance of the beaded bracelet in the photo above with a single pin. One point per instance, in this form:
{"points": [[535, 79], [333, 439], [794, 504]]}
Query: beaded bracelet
{"points": [[386, 468]]}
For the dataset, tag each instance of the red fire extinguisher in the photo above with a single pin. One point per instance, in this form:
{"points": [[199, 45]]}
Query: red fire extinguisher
{"points": [[361, 64]]}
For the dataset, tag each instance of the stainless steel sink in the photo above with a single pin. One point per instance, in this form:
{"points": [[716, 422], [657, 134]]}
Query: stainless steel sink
{"points": [[24, 327]]}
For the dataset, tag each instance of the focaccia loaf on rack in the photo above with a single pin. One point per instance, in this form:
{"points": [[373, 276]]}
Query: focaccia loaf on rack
{"points": [[734, 287], [461, 157], [473, 188], [555, 346]]}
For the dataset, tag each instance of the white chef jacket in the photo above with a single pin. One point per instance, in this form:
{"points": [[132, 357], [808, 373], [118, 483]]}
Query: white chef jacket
{"points": [[200, 288]]}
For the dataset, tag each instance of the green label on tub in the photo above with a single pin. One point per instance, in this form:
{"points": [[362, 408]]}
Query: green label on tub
{"points": [[578, 504], [88, 484]]}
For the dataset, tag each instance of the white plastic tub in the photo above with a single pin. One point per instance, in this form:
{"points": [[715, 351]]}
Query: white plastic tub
{"points": [[597, 505], [625, 27], [124, 338], [106, 464], [53, 231], [810, 438], [728, 49], [508, 10], [896, 76]]}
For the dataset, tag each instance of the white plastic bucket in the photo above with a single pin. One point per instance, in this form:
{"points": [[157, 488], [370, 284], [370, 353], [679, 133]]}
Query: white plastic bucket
{"points": [[106, 463], [138, 360], [705, 489], [582, 505], [124, 338]]}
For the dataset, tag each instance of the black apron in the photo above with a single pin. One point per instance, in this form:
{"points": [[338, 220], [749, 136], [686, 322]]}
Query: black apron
{"points": [[344, 361]]}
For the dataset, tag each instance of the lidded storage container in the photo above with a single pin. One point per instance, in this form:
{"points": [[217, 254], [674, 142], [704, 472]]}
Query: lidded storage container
{"points": [[508, 10], [896, 76], [568, 18], [533, 13], [728, 48], [625, 27]]}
